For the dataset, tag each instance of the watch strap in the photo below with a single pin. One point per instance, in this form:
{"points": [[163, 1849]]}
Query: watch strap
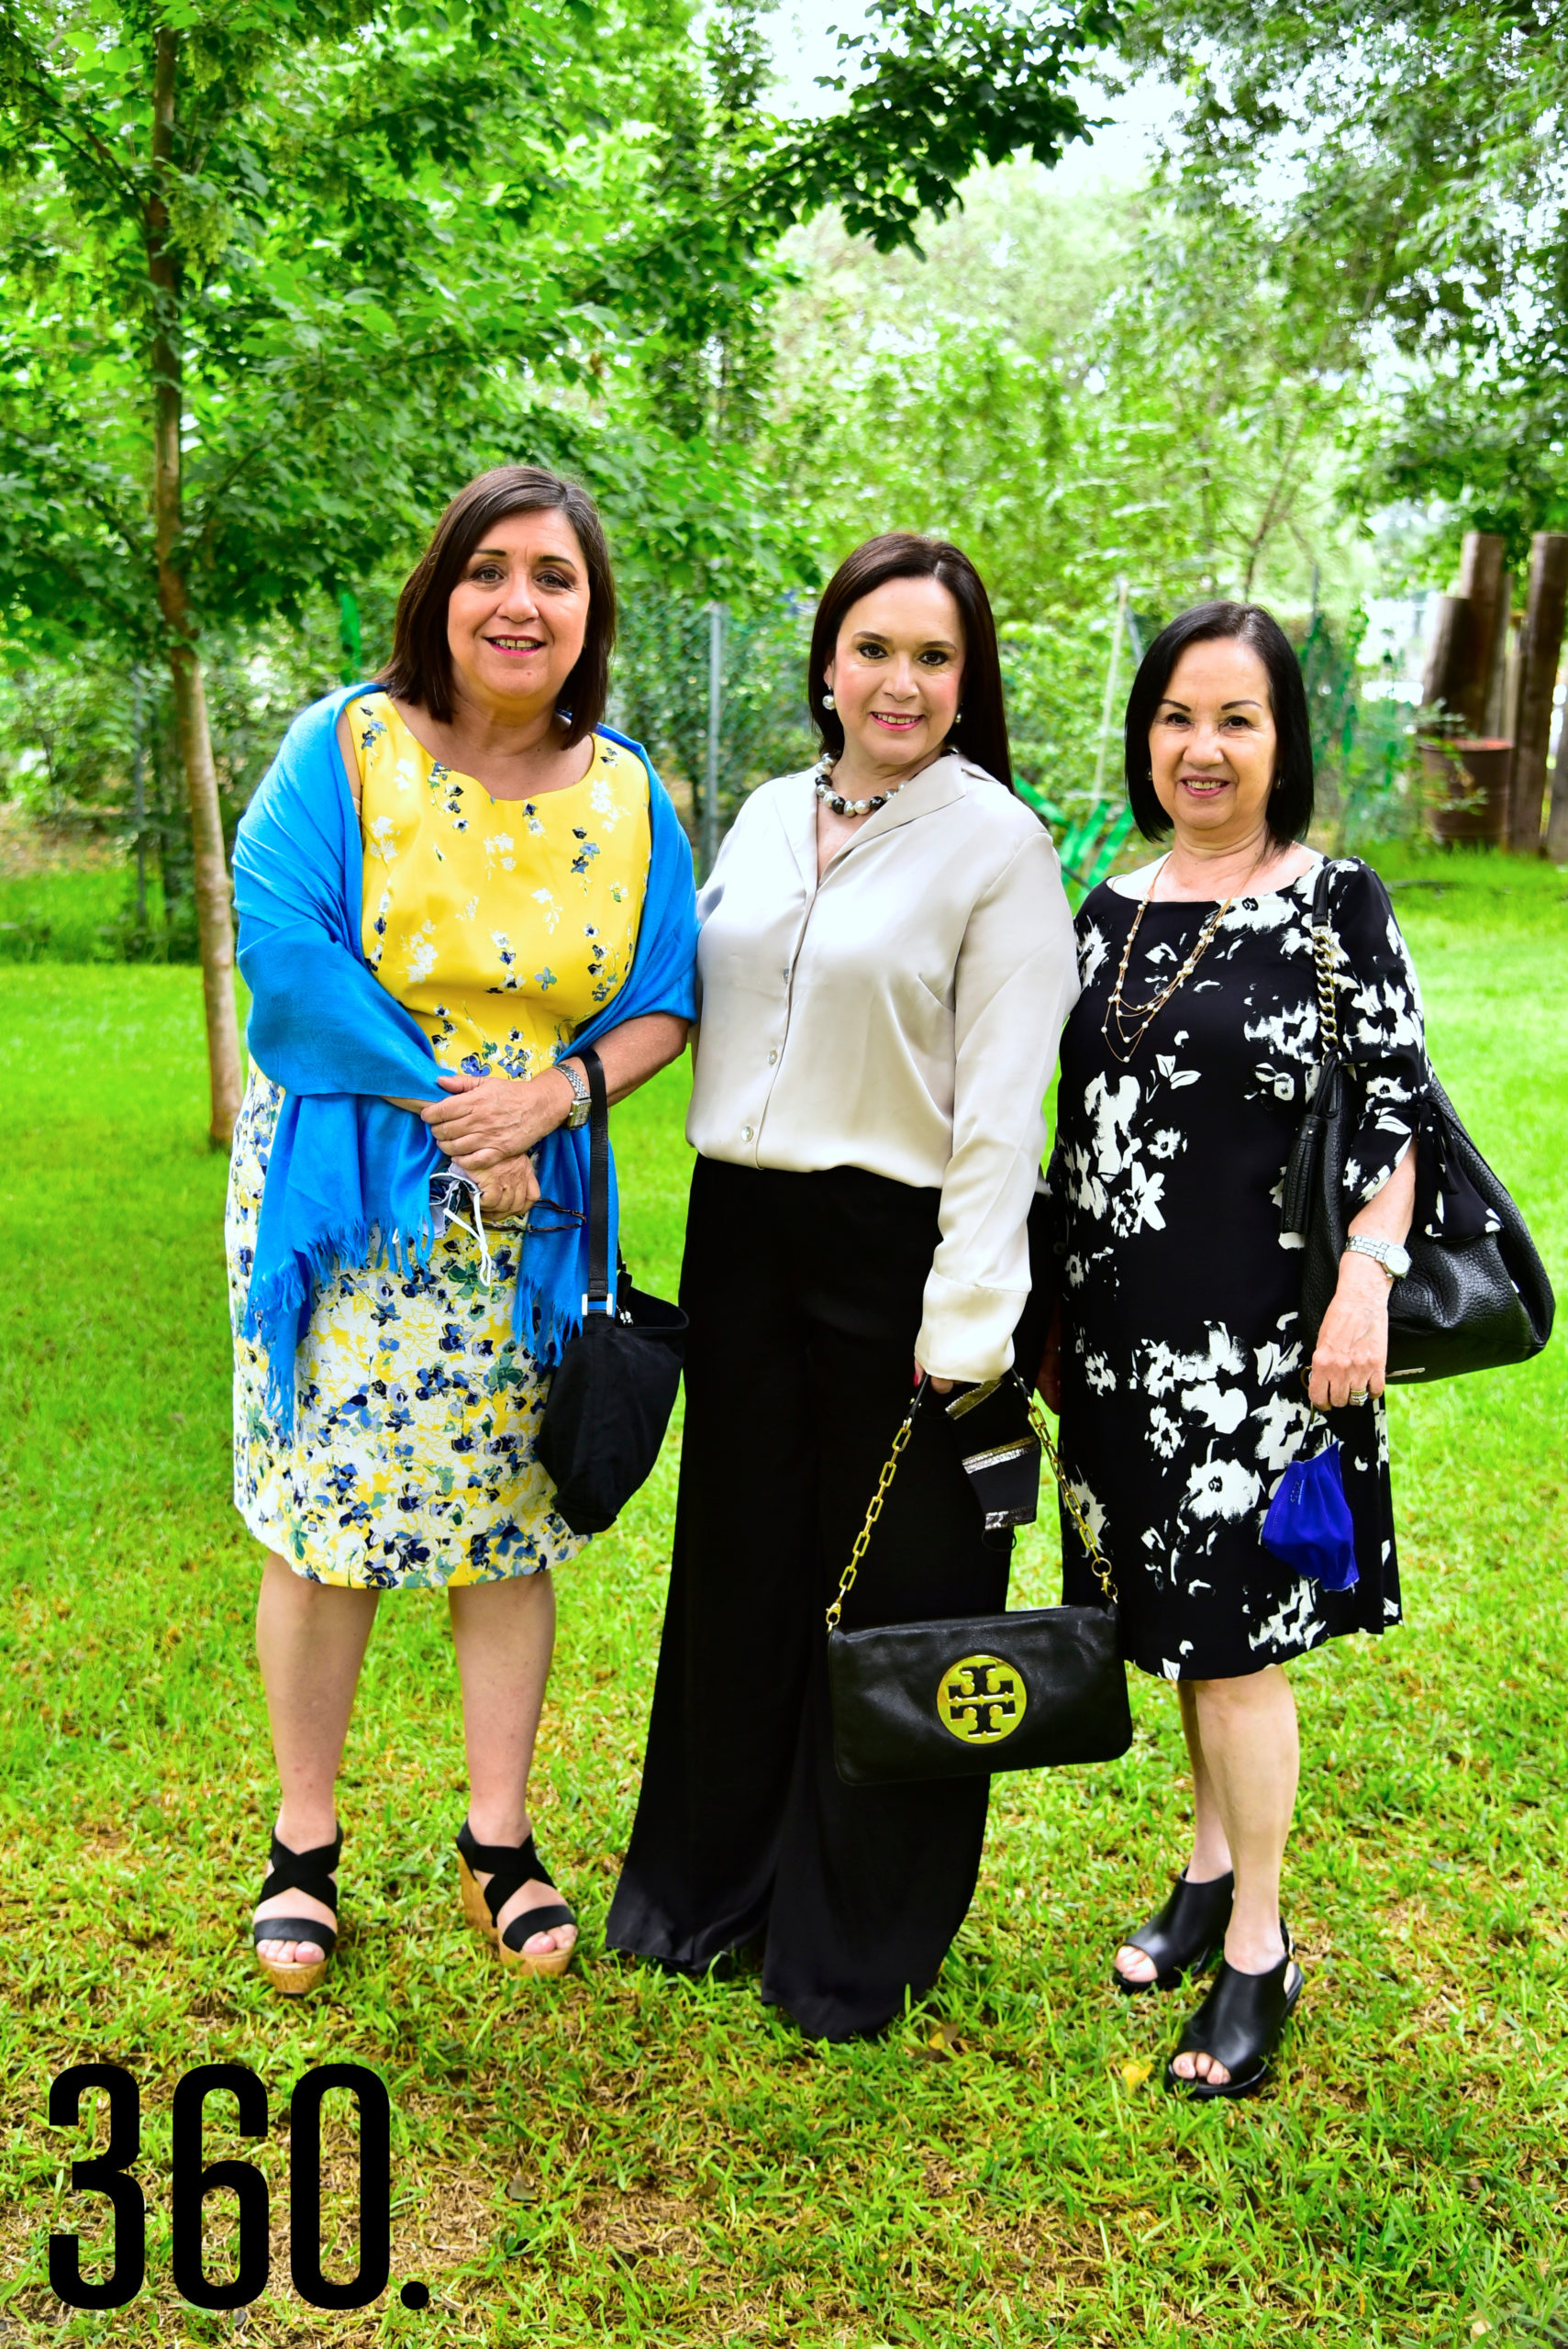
{"points": [[581, 1097], [1382, 1252]]}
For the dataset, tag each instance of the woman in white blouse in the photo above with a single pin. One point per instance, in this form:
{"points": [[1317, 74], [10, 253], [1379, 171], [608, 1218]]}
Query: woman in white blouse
{"points": [[886, 960]]}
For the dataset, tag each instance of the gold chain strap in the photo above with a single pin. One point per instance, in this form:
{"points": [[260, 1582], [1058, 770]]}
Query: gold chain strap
{"points": [[1323, 942], [1070, 1502], [858, 1552], [1069, 1499]]}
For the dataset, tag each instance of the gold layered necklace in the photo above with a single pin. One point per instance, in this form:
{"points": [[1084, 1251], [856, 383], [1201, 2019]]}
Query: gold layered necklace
{"points": [[1132, 1021]]}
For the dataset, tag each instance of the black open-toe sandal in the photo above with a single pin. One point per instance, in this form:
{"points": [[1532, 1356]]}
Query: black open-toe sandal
{"points": [[1182, 1936], [509, 1867], [1238, 2025], [313, 1872]]}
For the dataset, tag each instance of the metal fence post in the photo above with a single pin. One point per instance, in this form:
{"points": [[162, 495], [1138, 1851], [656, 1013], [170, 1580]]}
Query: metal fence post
{"points": [[1122, 591], [139, 797], [715, 717]]}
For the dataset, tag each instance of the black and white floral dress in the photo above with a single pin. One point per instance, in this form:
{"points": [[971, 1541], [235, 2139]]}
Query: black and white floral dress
{"points": [[1183, 1395]]}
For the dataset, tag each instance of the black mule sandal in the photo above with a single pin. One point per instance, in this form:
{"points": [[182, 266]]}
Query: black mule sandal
{"points": [[314, 1872], [1182, 1936], [1238, 2025], [509, 1867]]}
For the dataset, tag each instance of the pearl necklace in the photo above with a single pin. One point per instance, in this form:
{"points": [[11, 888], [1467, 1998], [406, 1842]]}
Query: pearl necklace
{"points": [[840, 807]]}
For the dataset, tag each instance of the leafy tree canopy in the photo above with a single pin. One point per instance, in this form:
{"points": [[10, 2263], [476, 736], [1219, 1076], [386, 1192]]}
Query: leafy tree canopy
{"points": [[381, 232], [1405, 162], [405, 240]]}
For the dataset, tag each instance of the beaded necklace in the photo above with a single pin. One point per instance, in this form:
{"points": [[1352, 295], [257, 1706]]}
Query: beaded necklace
{"points": [[842, 807], [1124, 1015]]}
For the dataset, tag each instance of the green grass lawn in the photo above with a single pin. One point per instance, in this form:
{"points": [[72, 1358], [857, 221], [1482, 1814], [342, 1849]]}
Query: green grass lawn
{"points": [[628, 2158]]}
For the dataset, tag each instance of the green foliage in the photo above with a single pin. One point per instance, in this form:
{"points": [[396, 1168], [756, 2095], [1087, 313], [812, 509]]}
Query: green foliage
{"points": [[949, 82], [408, 243], [1143, 408], [389, 240], [1424, 222], [1079, 393], [628, 2158]]}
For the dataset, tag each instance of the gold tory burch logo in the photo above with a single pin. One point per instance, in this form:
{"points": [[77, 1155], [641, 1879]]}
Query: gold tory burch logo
{"points": [[981, 1699]]}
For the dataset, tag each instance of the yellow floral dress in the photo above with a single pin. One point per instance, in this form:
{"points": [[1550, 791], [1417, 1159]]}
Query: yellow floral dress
{"points": [[503, 926]]}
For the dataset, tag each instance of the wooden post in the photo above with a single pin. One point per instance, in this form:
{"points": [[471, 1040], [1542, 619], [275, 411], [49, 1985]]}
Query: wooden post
{"points": [[1442, 658], [1503, 687], [1483, 586], [1557, 822], [1539, 649]]}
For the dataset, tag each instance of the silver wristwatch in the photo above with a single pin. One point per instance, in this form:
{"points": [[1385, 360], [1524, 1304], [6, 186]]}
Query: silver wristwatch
{"points": [[1395, 1260], [580, 1098]]}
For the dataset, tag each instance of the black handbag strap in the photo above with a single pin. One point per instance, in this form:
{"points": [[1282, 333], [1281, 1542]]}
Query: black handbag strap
{"points": [[1070, 1502], [596, 1297]]}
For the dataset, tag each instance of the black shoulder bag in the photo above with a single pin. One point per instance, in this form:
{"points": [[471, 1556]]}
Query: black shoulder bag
{"points": [[1477, 1295], [971, 1695], [614, 1391]]}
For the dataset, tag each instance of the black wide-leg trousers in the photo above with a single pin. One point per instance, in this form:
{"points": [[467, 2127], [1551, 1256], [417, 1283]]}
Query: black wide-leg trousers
{"points": [[805, 1296]]}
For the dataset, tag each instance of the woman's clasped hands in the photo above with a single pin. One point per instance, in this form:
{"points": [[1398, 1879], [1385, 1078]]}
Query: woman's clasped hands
{"points": [[488, 1125]]}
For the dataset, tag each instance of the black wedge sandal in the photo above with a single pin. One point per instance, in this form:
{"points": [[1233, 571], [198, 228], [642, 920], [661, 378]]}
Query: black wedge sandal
{"points": [[1239, 2024], [1183, 1936], [509, 1867], [314, 1872]]}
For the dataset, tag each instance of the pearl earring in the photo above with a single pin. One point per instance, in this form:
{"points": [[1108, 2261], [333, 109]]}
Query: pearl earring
{"points": [[828, 703]]}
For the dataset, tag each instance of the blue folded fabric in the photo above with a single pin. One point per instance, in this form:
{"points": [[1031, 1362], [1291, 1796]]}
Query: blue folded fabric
{"points": [[1309, 1526], [349, 1177]]}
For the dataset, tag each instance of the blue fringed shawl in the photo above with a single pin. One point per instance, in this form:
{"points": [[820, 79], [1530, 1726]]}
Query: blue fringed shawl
{"points": [[349, 1177]]}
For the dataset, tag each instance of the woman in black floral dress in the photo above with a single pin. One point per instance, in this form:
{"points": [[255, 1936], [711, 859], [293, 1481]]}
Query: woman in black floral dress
{"points": [[1179, 1368]]}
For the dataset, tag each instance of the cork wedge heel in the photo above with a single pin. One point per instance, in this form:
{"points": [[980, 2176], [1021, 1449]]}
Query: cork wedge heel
{"points": [[509, 1867]]}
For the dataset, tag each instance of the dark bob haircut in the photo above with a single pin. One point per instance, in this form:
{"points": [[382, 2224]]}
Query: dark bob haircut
{"points": [[1290, 807], [420, 668], [981, 733]]}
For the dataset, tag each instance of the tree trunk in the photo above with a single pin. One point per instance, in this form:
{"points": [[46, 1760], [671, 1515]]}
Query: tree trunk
{"points": [[1539, 653], [1484, 588], [214, 918], [1442, 660]]}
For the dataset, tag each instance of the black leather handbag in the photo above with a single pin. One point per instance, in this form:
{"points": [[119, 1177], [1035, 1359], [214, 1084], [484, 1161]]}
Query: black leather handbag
{"points": [[614, 1389], [1477, 1295], [971, 1695]]}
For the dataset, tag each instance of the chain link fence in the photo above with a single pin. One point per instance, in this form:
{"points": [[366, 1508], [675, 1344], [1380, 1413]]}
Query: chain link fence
{"points": [[718, 698], [1365, 747], [717, 694]]}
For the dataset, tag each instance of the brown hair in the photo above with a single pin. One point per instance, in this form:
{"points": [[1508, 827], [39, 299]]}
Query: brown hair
{"points": [[981, 729], [420, 668]]}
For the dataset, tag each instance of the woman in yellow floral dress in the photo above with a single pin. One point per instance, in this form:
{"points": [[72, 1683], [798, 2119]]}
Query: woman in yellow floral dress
{"points": [[499, 886]]}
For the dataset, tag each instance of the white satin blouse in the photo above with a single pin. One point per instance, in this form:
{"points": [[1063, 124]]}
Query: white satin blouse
{"points": [[902, 1015]]}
